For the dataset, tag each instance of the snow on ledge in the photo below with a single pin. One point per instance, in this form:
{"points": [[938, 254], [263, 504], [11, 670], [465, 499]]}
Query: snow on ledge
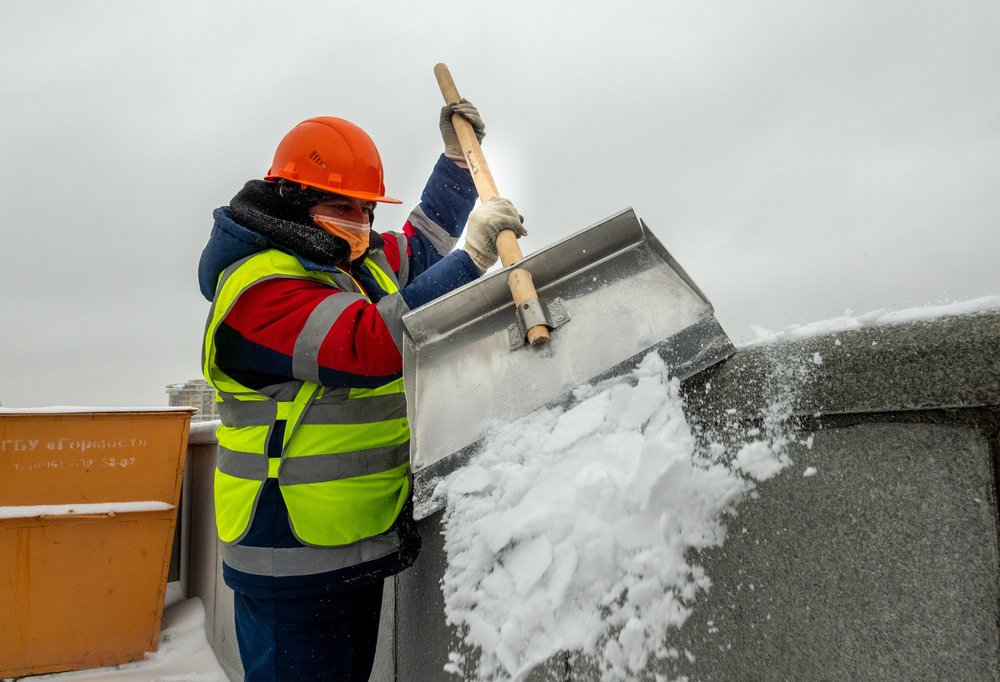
{"points": [[203, 432], [100, 509], [77, 409], [875, 318]]}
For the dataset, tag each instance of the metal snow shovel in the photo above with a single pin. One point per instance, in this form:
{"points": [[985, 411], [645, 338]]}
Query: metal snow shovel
{"points": [[584, 309]]}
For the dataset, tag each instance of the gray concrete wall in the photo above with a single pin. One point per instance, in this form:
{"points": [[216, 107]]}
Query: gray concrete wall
{"points": [[204, 562], [882, 566]]}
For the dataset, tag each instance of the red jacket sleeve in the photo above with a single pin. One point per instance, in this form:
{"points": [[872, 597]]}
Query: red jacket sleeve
{"points": [[292, 328]]}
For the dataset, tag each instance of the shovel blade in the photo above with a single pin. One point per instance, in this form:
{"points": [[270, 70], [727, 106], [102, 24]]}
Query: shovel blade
{"points": [[623, 295]]}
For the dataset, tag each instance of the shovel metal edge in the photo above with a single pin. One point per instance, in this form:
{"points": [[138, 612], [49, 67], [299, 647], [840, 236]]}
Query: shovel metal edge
{"points": [[577, 252]]}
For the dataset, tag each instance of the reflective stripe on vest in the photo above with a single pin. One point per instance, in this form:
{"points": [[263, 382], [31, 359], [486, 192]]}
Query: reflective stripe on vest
{"points": [[295, 561], [393, 306], [344, 465]]}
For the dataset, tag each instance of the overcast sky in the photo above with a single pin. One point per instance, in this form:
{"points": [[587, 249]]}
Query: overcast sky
{"points": [[797, 157]]}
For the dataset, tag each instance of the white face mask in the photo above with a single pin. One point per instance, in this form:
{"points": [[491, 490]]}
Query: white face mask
{"points": [[355, 234]]}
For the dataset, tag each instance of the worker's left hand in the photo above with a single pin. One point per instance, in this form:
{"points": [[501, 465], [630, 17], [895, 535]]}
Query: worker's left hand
{"points": [[468, 111], [487, 221]]}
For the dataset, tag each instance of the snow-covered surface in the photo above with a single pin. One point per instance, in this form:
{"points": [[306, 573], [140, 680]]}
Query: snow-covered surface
{"points": [[203, 432], [105, 509], [184, 654], [850, 321], [78, 409], [572, 531]]}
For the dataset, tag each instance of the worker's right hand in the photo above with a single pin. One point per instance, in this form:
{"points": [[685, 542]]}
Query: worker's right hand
{"points": [[487, 221], [468, 111]]}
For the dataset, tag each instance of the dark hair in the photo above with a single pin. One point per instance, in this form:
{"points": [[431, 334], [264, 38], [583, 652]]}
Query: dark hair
{"points": [[303, 197], [299, 196]]}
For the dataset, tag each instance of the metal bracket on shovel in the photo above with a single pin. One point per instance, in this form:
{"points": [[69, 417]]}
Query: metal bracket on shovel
{"points": [[533, 313]]}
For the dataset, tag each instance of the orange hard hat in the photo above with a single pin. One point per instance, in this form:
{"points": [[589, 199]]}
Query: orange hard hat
{"points": [[333, 155]]}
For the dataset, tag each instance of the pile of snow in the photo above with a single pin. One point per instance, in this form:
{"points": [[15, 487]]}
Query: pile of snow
{"points": [[576, 529]]}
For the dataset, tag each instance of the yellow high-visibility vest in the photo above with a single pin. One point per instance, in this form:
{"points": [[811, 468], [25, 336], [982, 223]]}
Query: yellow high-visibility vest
{"points": [[344, 465]]}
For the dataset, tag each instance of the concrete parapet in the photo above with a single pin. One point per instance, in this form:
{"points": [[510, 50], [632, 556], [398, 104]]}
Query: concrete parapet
{"points": [[882, 565], [203, 578], [949, 362]]}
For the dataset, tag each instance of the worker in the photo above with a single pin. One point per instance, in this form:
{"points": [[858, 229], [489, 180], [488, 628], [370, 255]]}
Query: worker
{"points": [[303, 346]]}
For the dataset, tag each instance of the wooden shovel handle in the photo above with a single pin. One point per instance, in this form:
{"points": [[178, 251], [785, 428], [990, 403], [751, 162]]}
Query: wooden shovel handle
{"points": [[521, 287], [473, 153]]}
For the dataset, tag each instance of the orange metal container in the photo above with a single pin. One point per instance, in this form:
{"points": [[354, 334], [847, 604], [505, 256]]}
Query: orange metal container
{"points": [[88, 504]]}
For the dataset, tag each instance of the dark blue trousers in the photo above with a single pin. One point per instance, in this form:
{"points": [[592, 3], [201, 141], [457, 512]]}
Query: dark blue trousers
{"points": [[321, 638]]}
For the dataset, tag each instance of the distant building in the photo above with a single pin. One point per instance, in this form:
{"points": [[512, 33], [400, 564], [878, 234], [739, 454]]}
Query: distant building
{"points": [[194, 393]]}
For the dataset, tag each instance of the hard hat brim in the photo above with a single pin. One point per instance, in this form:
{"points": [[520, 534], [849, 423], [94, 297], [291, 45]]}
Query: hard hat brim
{"points": [[354, 194], [366, 196]]}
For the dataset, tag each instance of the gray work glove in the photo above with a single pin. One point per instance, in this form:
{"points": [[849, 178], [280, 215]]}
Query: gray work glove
{"points": [[487, 221], [468, 111]]}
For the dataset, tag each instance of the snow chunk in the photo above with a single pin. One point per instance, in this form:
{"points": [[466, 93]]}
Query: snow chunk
{"points": [[528, 561], [758, 460]]}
